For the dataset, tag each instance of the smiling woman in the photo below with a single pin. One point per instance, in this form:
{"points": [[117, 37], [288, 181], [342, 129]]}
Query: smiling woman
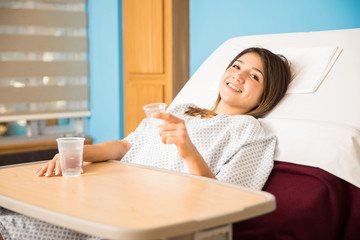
{"points": [[258, 80]]}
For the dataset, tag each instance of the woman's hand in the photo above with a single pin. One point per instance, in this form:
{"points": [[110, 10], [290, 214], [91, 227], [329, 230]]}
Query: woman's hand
{"points": [[48, 168], [174, 132], [110, 150]]}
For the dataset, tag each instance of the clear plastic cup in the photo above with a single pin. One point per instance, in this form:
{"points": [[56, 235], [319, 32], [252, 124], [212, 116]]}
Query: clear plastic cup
{"points": [[149, 109], [71, 155]]}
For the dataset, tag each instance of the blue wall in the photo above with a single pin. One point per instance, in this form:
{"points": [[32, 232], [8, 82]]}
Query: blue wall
{"points": [[214, 21], [105, 66], [211, 23]]}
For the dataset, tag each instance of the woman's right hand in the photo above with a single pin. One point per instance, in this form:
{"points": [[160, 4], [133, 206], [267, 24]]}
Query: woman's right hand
{"points": [[113, 150], [49, 167]]}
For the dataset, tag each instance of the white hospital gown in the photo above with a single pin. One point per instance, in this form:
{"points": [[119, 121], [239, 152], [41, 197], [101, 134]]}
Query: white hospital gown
{"points": [[236, 148]]}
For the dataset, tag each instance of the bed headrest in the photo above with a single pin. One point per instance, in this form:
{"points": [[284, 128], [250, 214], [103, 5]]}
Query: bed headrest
{"points": [[321, 99]]}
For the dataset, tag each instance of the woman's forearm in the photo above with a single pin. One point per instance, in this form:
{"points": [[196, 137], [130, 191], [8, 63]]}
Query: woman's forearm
{"points": [[198, 166], [111, 150]]}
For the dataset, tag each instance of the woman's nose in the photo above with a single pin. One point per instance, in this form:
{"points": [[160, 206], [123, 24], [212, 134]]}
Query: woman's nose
{"points": [[239, 77]]}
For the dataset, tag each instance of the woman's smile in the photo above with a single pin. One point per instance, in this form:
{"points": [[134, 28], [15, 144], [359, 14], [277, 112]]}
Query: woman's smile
{"points": [[232, 86]]}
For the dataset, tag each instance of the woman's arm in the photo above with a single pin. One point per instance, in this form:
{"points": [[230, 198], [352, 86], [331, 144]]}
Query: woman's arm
{"points": [[111, 150], [174, 132]]}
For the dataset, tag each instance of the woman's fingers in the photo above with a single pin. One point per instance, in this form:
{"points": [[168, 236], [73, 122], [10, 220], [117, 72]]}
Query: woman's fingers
{"points": [[48, 168], [170, 127], [167, 117], [176, 132], [171, 140], [40, 171], [165, 135], [57, 166], [174, 129]]}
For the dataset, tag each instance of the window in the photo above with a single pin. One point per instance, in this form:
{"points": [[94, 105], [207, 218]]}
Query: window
{"points": [[43, 66]]}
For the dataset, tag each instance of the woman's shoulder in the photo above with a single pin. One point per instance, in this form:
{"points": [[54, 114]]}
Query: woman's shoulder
{"points": [[241, 123], [246, 119], [180, 108]]}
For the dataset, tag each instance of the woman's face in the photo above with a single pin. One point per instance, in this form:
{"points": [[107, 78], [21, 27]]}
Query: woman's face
{"points": [[242, 85]]}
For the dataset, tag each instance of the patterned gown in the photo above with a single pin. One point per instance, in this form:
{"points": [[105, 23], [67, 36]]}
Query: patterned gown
{"points": [[237, 148]]}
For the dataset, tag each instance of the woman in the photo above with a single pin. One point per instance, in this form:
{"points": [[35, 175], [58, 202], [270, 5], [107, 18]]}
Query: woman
{"points": [[226, 143]]}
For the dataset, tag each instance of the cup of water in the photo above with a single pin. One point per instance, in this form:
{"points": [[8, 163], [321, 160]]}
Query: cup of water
{"points": [[149, 109], [71, 155]]}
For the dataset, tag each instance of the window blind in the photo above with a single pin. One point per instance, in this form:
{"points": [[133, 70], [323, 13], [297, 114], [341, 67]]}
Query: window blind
{"points": [[43, 60]]}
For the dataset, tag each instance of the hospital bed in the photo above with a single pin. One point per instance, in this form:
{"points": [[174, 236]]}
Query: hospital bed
{"points": [[316, 175]]}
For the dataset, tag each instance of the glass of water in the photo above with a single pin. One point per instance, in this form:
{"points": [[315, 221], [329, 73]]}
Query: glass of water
{"points": [[71, 155], [149, 109]]}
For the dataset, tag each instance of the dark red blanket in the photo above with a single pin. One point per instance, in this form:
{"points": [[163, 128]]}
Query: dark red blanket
{"points": [[311, 204]]}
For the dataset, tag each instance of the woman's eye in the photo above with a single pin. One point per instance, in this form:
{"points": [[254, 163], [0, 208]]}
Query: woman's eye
{"points": [[236, 66], [254, 77]]}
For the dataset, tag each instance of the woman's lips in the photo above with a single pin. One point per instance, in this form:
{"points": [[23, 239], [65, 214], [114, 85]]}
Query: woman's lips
{"points": [[234, 87]]}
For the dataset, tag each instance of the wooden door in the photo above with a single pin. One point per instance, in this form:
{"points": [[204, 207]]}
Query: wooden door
{"points": [[156, 50]]}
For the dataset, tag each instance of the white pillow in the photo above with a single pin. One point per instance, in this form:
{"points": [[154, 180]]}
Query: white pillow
{"points": [[310, 66], [332, 147]]}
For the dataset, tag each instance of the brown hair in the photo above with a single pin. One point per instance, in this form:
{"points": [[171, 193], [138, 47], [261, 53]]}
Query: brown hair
{"points": [[277, 77]]}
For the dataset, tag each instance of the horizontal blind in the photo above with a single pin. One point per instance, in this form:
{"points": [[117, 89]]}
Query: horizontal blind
{"points": [[43, 59]]}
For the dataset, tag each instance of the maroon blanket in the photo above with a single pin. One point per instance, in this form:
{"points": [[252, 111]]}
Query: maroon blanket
{"points": [[311, 204]]}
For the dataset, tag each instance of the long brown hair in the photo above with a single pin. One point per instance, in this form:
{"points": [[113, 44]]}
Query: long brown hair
{"points": [[277, 77]]}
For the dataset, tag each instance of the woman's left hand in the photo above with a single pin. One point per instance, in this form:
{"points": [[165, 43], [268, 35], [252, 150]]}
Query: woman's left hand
{"points": [[174, 132]]}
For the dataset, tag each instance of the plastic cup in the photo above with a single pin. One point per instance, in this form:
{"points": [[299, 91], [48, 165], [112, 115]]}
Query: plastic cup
{"points": [[71, 155], [149, 109]]}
